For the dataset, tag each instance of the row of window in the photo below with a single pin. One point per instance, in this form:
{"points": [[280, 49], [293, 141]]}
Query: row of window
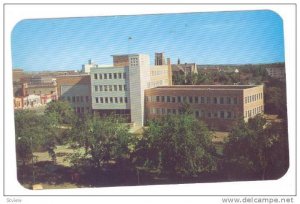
{"points": [[159, 72], [111, 99], [81, 110], [76, 99], [198, 113], [110, 75], [192, 99], [252, 98], [110, 88], [134, 62], [254, 111]]}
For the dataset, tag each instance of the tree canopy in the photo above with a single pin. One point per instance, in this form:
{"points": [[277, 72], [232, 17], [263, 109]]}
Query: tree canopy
{"points": [[177, 145]]}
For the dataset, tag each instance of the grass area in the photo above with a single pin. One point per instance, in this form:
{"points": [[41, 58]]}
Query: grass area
{"points": [[61, 152]]}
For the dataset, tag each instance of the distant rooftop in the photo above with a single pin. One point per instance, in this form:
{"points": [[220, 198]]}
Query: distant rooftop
{"points": [[206, 87]]}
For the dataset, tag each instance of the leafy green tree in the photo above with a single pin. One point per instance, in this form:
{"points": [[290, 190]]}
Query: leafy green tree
{"points": [[64, 111], [103, 139], [249, 152], [177, 145], [28, 133], [35, 132]]}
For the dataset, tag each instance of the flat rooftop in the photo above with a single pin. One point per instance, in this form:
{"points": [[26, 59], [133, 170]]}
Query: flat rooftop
{"points": [[206, 87]]}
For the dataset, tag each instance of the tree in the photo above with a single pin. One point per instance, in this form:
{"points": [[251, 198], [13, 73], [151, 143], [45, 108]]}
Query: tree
{"points": [[64, 111], [34, 132], [28, 135], [103, 139], [249, 152], [177, 145]]}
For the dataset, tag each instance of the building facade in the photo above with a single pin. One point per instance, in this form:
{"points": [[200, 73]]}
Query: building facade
{"points": [[218, 106], [76, 89], [120, 88]]}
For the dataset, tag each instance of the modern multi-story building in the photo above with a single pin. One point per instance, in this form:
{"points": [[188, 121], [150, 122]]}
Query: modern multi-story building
{"points": [[133, 88], [120, 88], [217, 105], [76, 89]]}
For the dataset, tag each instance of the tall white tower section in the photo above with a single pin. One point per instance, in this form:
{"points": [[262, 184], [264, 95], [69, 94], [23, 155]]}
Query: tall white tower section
{"points": [[139, 78]]}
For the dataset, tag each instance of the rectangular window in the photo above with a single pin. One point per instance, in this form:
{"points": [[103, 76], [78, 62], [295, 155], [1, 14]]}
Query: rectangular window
{"points": [[179, 99], [163, 99], [105, 76], [168, 99], [69, 99], [173, 99], [124, 75], [209, 114], [121, 99], [119, 75], [111, 99], [208, 100], [196, 99], [95, 76], [115, 87], [73, 99], [246, 101], [120, 87], [215, 100], [191, 99], [101, 99], [228, 100], [184, 99], [96, 87], [197, 113], [110, 87], [97, 100], [115, 76], [157, 98], [105, 88], [101, 88], [221, 100], [106, 99], [125, 99], [222, 115], [125, 87], [163, 111], [202, 99], [215, 114], [100, 76]]}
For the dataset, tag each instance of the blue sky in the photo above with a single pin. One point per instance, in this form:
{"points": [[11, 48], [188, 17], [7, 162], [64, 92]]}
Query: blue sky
{"points": [[237, 37]]}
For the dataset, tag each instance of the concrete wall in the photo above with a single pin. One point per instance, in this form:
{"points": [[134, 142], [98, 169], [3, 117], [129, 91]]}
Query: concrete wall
{"points": [[139, 72]]}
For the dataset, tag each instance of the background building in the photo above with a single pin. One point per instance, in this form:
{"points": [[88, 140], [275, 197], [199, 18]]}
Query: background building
{"points": [[277, 72], [184, 69], [218, 106], [76, 89]]}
